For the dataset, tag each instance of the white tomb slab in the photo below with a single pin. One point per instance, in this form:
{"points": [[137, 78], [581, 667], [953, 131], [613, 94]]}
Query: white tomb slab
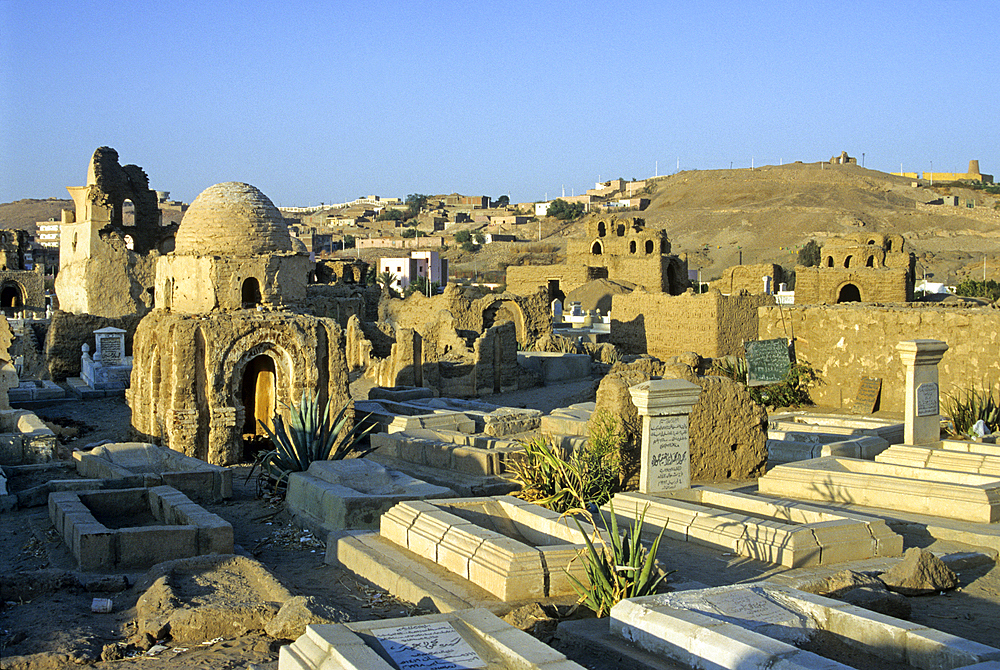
{"points": [[762, 626]]}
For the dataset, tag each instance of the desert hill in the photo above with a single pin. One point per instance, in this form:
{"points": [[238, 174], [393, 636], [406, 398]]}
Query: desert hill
{"points": [[23, 214], [768, 213]]}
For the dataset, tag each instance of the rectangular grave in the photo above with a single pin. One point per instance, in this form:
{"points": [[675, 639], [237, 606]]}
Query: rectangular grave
{"points": [[512, 549], [471, 638], [149, 525], [954, 495], [781, 532], [760, 625]]}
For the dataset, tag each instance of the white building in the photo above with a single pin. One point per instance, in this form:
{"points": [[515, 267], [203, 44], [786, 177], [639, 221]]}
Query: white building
{"points": [[48, 233], [427, 264]]}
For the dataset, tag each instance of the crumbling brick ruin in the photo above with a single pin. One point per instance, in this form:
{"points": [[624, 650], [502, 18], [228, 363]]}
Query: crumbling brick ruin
{"points": [[866, 267], [622, 250], [460, 346], [20, 289], [106, 264]]}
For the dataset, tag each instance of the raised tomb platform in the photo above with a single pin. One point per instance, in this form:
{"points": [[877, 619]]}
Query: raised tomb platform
{"points": [[955, 495], [782, 532], [495, 552], [150, 465], [351, 493]]}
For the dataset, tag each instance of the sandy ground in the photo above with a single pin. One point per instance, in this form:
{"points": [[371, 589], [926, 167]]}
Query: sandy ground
{"points": [[43, 626]]}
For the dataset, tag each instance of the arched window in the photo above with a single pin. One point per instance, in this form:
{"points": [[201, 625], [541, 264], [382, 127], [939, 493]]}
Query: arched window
{"points": [[649, 246], [829, 261], [250, 293], [870, 262], [847, 262], [596, 248], [602, 229], [631, 247]]}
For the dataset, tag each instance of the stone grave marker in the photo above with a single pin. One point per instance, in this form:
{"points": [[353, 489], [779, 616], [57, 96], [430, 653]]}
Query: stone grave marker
{"points": [[429, 646], [867, 397], [921, 412], [767, 361], [665, 461], [110, 346]]}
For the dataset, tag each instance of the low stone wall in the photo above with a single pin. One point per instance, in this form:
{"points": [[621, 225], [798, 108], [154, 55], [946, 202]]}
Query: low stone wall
{"points": [[69, 332], [847, 342]]}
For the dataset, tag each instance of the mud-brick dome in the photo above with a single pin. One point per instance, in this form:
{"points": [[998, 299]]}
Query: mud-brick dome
{"points": [[232, 219]]}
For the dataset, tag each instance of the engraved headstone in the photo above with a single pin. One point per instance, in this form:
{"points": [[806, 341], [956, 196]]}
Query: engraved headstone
{"points": [[111, 350], [927, 400], [920, 360], [767, 361], [430, 646], [665, 458], [867, 397]]}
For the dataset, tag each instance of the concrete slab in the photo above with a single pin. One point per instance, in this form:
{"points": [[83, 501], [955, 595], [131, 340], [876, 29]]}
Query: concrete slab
{"points": [[940, 458], [555, 367]]}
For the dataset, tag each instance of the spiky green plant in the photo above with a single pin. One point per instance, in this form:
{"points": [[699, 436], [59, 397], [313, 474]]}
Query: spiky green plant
{"points": [[548, 477], [309, 435], [619, 569], [969, 406]]}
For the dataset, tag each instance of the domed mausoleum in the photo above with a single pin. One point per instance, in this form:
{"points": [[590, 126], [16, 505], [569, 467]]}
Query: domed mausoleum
{"points": [[232, 251], [227, 345]]}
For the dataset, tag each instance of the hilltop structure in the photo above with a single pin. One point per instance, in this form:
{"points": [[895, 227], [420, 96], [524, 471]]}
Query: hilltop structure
{"points": [[866, 267], [621, 250]]}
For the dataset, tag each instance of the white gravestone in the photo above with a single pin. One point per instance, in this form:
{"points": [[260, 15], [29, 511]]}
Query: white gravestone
{"points": [[665, 461], [430, 646], [921, 412]]}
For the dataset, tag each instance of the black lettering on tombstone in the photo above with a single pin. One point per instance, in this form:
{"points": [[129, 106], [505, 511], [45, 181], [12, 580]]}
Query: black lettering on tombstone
{"points": [[867, 397]]}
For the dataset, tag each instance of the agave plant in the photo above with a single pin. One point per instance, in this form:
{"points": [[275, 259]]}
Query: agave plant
{"points": [[308, 436], [619, 570], [967, 407]]}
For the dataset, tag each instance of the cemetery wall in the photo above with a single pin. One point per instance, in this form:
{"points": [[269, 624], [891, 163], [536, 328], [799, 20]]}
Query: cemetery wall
{"points": [[824, 285], [662, 325], [749, 278], [847, 342]]}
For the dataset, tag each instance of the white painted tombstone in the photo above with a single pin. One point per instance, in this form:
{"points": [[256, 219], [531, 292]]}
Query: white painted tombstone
{"points": [[922, 412], [109, 368], [664, 405], [767, 284]]}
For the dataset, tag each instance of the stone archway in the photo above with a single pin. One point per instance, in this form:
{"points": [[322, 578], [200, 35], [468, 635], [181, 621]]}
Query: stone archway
{"points": [[11, 298], [848, 293], [258, 391], [502, 311]]}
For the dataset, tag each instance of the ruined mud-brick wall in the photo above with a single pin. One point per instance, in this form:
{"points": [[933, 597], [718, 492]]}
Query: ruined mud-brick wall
{"points": [[526, 279], [530, 314], [749, 278], [68, 333], [335, 301], [31, 286], [847, 342], [662, 325], [824, 285], [188, 374]]}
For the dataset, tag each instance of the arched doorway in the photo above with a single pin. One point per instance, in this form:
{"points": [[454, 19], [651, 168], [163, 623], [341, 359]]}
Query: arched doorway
{"points": [[257, 391], [11, 299], [250, 293], [502, 311], [849, 293]]}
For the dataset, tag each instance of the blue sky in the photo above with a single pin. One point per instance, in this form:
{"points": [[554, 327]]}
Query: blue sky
{"points": [[327, 101]]}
